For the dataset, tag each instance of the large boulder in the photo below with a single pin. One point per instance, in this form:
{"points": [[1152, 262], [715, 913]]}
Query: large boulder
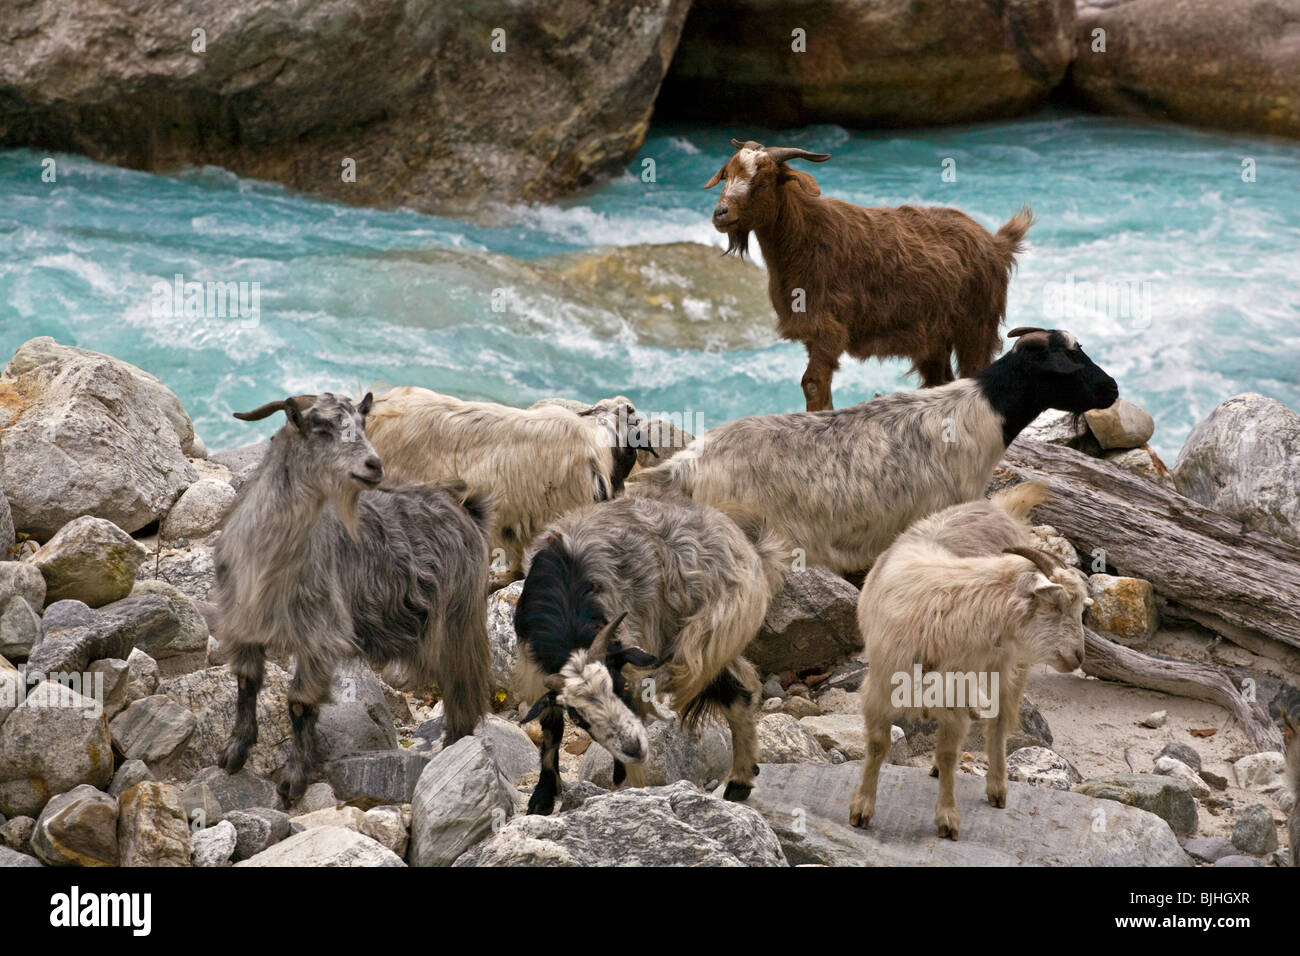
{"points": [[165, 621], [811, 623], [20, 629], [78, 828], [1166, 797], [1232, 64], [22, 579], [192, 571], [90, 560], [152, 829], [1125, 608], [199, 511], [154, 730], [675, 825], [502, 640], [701, 754], [1244, 461], [460, 798], [211, 695], [86, 434], [326, 846], [430, 108], [53, 741], [808, 807], [867, 62]]}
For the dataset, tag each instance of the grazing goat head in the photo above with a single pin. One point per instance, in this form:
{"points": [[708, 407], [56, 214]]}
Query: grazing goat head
{"points": [[1065, 375], [753, 178], [592, 688], [332, 453], [628, 432], [1057, 597]]}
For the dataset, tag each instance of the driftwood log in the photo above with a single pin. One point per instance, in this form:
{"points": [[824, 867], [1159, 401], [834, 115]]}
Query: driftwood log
{"points": [[1241, 583], [1110, 661], [1199, 558]]}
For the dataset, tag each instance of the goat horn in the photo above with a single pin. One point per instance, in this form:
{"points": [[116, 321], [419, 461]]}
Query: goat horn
{"points": [[1023, 330], [1047, 563], [301, 402], [781, 154], [600, 646], [746, 145]]}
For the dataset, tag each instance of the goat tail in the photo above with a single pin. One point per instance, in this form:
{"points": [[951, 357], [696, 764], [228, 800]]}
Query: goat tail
{"points": [[1019, 500], [465, 672], [1011, 237]]}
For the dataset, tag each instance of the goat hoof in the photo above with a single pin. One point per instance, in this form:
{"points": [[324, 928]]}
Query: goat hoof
{"points": [[861, 809], [737, 791], [860, 820], [948, 823], [541, 804], [998, 800], [232, 756]]}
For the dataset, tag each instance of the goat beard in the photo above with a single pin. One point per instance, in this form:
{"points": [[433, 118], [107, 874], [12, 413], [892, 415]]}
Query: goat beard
{"points": [[347, 505], [738, 243]]}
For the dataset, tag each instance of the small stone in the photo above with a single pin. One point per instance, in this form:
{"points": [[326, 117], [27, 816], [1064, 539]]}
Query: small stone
{"points": [[62, 615], [202, 809], [246, 790], [369, 779], [1040, 767], [773, 705], [144, 675], [1254, 831], [1124, 608], [117, 680], [78, 828], [1154, 720], [257, 829], [773, 688], [1208, 849], [1122, 425], [22, 579], [1261, 772], [199, 511], [128, 775], [1144, 463], [842, 731], [1172, 767], [318, 796], [460, 798], [213, 845], [1046, 538], [20, 629], [154, 730], [798, 707], [1166, 797], [1183, 752], [385, 826], [91, 560], [16, 834], [152, 829], [1238, 860], [782, 739]]}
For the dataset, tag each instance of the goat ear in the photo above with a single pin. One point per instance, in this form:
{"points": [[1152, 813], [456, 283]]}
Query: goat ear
{"points": [[803, 180], [634, 656], [717, 178], [366, 404], [539, 705], [1045, 588]]}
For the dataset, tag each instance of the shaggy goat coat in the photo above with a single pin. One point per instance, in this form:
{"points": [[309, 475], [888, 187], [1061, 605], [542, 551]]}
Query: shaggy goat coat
{"points": [[946, 601], [538, 463], [695, 587]]}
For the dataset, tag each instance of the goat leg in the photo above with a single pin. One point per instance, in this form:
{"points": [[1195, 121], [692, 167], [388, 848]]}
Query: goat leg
{"points": [[863, 805], [952, 732], [816, 380], [548, 783], [306, 756], [248, 663], [742, 717]]}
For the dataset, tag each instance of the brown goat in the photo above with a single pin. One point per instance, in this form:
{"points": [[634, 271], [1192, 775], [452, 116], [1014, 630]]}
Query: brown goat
{"points": [[908, 281]]}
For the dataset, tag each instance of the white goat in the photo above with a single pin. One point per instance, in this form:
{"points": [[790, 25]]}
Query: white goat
{"points": [[954, 614], [539, 463]]}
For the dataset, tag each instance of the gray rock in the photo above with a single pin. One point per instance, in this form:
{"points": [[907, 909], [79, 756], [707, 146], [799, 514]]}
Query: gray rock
{"points": [[128, 775], [385, 826], [214, 845], [701, 755], [1122, 425], [73, 649], [53, 741], [1166, 797], [1046, 538], [143, 675], [1040, 767], [202, 808], [1034, 732], [1183, 752], [210, 694], [91, 560], [1055, 427], [326, 846], [1244, 461], [257, 829], [13, 688], [241, 461], [807, 805], [61, 615], [810, 623], [154, 730], [675, 825], [16, 834], [181, 629], [357, 716], [1238, 860], [21, 579], [116, 675], [799, 707], [10, 858], [192, 571], [1208, 849], [847, 677], [151, 826], [514, 750], [460, 798], [78, 828], [1173, 767], [20, 629], [782, 739], [378, 777], [1254, 831], [1144, 463], [246, 790], [94, 436], [318, 796], [575, 795], [199, 511], [842, 732], [1261, 772], [7, 534], [502, 640]]}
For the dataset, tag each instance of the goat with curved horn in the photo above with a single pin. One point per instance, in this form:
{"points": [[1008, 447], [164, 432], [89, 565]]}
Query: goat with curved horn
{"points": [[291, 405]]}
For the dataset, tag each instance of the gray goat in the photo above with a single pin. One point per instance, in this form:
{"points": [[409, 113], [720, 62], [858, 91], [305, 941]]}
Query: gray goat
{"points": [[317, 563]]}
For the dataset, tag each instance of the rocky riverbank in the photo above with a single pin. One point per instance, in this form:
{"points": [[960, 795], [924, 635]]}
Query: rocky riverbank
{"points": [[444, 105], [114, 702]]}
